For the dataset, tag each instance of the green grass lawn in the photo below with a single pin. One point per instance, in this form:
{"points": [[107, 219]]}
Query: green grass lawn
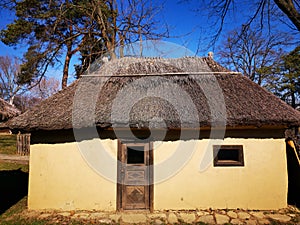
{"points": [[8, 144], [13, 166], [14, 184], [16, 215], [13, 195]]}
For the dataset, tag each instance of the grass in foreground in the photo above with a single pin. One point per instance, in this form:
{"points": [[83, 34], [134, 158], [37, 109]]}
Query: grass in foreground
{"points": [[18, 215], [13, 166], [14, 184], [8, 144]]}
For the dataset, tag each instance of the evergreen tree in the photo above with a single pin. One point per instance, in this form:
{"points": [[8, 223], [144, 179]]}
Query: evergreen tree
{"points": [[58, 29], [49, 29], [284, 77], [289, 84]]}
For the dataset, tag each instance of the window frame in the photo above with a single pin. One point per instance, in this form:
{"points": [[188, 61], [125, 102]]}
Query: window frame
{"points": [[222, 163]]}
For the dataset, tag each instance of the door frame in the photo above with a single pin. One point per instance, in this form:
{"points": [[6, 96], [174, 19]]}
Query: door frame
{"points": [[120, 153]]}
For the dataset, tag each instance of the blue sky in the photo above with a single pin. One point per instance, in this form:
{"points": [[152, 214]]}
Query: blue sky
{"points": [[184, 25], [179, 17], [188, 28]]}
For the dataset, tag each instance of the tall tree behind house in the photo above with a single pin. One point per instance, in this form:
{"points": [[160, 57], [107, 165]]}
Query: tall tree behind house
{"points": [[56, 30], [284, 77]]}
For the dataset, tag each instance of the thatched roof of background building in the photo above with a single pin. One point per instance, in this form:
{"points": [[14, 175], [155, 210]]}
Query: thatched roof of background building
{"points": [[161, 93], [7, 110]]}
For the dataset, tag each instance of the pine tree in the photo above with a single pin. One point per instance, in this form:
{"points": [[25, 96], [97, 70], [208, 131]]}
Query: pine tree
{"points": [[289, 85]]}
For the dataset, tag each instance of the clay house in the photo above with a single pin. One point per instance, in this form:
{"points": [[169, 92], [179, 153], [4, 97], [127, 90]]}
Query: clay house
{"points": [[155, 134]]}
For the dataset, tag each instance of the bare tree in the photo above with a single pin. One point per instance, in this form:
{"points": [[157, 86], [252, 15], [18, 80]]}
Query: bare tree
{"points": [[9, 75], [36, 94], [45, 88], [25, 102], [248, 51], [121, 22], [263, 12]]}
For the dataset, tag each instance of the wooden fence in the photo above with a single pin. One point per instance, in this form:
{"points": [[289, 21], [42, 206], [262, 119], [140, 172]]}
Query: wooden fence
{"points": [[23, 144]]}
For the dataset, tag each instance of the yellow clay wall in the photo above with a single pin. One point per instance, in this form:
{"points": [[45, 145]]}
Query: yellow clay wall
{"points": [[61, 177]]}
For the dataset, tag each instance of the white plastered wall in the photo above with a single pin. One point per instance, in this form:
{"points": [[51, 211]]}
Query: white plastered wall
{"points": [[64, 177]]}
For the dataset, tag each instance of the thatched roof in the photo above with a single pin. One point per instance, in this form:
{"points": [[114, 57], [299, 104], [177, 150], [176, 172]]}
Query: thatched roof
{"points": [[188, 92], [7, 111]]}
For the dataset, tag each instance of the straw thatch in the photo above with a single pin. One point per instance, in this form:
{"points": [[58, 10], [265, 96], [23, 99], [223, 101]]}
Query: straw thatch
{"points": [[188, 92], [7, 111]]}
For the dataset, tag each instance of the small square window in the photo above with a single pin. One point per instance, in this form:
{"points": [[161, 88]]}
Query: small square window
{"points": [[228, 155], [135, 155]]}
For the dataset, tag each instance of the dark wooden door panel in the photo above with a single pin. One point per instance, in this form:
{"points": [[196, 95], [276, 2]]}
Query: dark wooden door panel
{"points": [[134, 175], [137, 197]]}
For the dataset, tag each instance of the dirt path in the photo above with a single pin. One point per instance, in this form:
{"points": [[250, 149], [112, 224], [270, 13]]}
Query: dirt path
{"points": [[14, 158]]}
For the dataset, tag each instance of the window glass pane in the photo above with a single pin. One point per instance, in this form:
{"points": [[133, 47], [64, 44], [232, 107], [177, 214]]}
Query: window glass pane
{"points": [[135, 155], [228, 154]]}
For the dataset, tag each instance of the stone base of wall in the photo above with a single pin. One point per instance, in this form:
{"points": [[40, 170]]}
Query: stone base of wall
{"points": [[290, 215]]}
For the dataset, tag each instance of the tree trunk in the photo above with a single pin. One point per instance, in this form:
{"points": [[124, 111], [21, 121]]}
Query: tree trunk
{"points": [[288, 8], [64, 81], [11, 100], [293, 100], [121, 51], [111, 51]]}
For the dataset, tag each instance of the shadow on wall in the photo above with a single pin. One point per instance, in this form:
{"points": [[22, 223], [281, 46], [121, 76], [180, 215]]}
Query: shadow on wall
{"points": [[14, 186], [293, 177]]}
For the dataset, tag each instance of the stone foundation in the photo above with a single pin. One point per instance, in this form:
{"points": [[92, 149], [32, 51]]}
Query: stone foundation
{"points": [[289, 215]]}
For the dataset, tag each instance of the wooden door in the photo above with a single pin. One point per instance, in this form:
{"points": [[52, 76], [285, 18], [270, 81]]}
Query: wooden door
{"points": [[135, 176]]}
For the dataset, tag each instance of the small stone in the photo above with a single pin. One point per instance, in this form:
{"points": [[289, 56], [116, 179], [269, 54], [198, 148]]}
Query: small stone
{"points": [[221, 219], [202, 213], [157, 215], [263, 221], [232, 214], [188, 217], [236, 221], [243, 215], [134, 218], [44, 215], [279, 217], [81, 215], [172, 218], [32, 213], [251, 222], [115, 217], [65, 214], [105, 221], [282, 211], [97, 215], [158, 222], [259, 215], [223, 212], [207, 219]]}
